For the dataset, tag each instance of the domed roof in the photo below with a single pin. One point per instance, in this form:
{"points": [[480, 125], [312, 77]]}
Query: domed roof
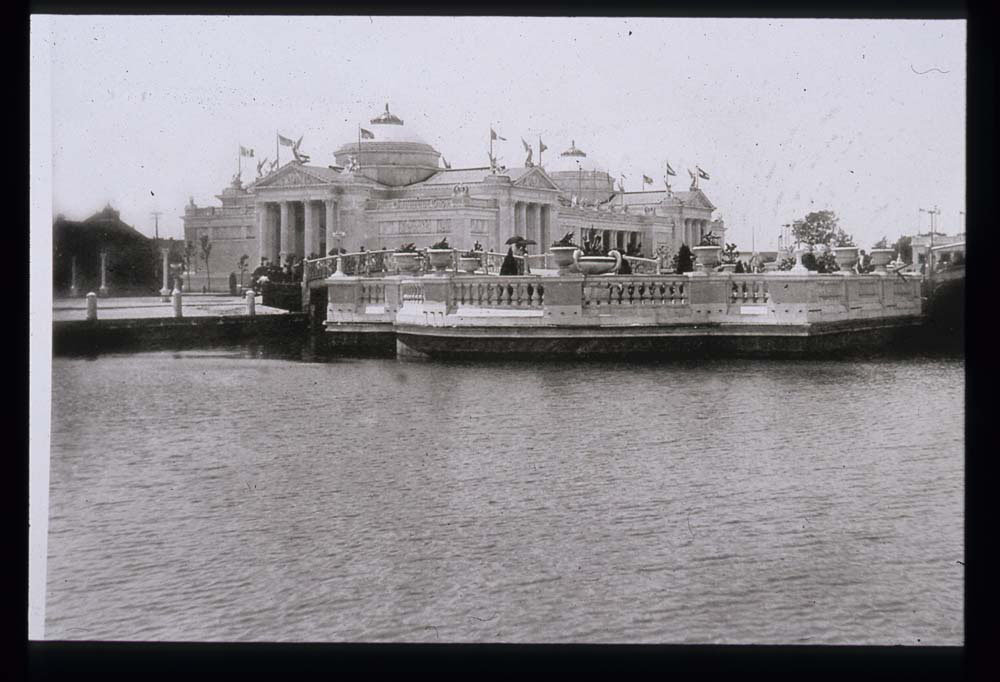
{"points": [[573, 159]]}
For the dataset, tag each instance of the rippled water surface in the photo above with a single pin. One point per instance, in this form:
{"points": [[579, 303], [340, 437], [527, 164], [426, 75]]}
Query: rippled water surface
{"points": [[225, 495]]}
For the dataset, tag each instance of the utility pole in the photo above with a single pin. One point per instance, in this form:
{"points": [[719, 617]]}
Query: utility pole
{"points": [[156, 224]]}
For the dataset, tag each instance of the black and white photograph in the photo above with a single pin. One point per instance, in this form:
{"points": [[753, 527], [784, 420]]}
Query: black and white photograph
{"points": [[497, 330]]}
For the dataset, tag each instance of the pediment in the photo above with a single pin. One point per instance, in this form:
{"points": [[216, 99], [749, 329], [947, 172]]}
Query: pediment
{"points": [[697, 199], [291, 176], [536, 178]]}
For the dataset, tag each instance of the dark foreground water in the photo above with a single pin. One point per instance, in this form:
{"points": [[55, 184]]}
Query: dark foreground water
{"points": [[229, 495]]}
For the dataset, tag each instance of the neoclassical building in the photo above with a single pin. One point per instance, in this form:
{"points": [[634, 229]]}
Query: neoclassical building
{"points": [[394, 189]]}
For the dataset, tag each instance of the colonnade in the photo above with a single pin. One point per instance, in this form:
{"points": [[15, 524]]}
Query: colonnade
{"points": [[534, 221], [279, 233], [693, 230]]}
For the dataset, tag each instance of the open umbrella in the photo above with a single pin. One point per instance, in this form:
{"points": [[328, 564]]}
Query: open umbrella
{"points": [[516, 239]]}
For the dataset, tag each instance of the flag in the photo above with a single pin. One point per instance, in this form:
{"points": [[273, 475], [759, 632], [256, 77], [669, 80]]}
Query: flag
{"points": [[646, 180], [527, 147], [367, 134], [245, 152], [541, 146], [702, 174], [494, 136], [285, 141], [670, 171]]}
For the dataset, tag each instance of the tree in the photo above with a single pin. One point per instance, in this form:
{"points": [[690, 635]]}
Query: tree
{"points": [[820, 227], [189, 253], [904, 247], [684, 261], [206, 251], [729, 254], [882, 243]]}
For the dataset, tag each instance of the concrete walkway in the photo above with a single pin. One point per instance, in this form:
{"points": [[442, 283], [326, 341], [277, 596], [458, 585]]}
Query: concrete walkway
{"points": [[150, 307]]}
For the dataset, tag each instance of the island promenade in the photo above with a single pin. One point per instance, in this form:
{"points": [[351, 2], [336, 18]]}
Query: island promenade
{"points": [[149, 322]]}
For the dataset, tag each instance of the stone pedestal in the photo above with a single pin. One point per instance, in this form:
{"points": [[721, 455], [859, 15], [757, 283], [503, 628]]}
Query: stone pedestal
{"points": [[251, 304], [178, 303], [91, 306]]}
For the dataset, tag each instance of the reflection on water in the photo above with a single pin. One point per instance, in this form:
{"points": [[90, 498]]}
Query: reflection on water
{"points": [[243, 494]]}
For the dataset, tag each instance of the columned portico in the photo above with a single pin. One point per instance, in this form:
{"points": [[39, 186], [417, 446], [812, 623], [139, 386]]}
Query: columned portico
{"points": [[533, 229], [520, 218]]}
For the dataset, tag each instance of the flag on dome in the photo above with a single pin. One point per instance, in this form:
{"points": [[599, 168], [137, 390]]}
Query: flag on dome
{"points": [[285, 141], [670, 171], [646, 180], [702, 174], [245, 152], [367, 134], [494, 136], [541, 146]]}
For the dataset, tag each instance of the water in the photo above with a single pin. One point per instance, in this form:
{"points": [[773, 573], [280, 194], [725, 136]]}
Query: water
{"points": [[233, 496]]}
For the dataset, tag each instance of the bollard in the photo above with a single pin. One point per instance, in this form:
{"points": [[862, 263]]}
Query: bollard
{"points": [[91, 306], [251, 303], [177, 303]]}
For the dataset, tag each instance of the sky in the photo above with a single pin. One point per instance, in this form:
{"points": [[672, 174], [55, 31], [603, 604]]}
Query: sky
{"points": [[865, 118]]}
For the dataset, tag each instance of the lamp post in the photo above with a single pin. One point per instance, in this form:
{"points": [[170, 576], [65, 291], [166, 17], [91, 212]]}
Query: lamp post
{"points": [[930, 251], [165, 290], [339, 272], [103, 290]]}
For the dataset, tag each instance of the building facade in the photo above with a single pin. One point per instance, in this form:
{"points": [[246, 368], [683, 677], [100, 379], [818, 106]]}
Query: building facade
{"points": [[393, 189]]}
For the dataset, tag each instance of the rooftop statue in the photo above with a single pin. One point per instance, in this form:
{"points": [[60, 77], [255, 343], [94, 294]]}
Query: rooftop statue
{"points": [[300, 157], [387, 118], [694, 179], [352, 165]]}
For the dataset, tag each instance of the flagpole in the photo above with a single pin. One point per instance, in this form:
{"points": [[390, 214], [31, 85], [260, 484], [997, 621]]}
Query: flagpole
{"points": [[539, 150], [359, 146], [277, 149]]}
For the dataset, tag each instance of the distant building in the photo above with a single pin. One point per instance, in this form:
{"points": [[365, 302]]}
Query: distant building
{"points": [[393, 188], [133, 265], [943, 243]]}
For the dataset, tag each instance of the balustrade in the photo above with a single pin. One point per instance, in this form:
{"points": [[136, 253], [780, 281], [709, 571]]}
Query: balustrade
{"points": [[372, 293], [506, 292], [621, 291], [749, 291], [412, 292]]}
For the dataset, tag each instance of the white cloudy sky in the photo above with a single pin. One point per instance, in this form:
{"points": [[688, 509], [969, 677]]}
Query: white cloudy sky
{"points": [[788, 116]]}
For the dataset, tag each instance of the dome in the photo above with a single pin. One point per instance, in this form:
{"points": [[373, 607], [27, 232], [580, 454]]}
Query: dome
{"points": [[576, 175], [390, 153]]}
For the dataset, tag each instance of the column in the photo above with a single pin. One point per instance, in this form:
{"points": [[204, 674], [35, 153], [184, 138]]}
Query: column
{"points": [[72, 282], [310, 245], [286, 236], [331, 224], [520, 218], [263, 237], [104, 269], [164, 291], [535, 223], [545, 233]]}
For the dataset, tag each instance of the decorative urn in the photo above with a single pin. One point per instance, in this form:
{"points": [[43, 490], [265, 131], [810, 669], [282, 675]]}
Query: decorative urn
{"points": [[847, 258], [407, 261], [800, 250], [708, 257], [468, 264], [597, 265], [881, 258], [563, 257], [440, 259]]}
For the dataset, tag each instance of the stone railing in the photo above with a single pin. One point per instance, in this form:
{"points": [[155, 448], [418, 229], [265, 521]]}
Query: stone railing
{"points": [[493, 261], [362, 263], [498, 292], [643, 266], [451, 299], [626, 291]]}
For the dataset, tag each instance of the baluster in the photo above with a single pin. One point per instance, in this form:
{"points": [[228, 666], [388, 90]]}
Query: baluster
{"points": [[631, 292], [541, 294]]}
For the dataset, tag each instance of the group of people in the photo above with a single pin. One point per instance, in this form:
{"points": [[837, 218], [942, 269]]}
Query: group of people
{"points": [[268, 271]]}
